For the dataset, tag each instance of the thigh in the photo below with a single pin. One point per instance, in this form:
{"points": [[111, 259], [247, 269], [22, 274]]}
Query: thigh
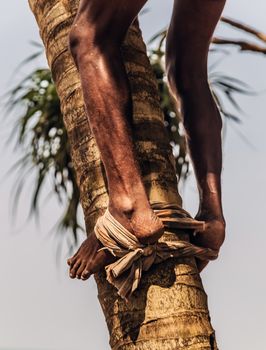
{"points": [[192, 26]]}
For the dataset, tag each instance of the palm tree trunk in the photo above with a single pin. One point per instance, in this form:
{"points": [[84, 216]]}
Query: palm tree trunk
{"points": [[169, 311]]}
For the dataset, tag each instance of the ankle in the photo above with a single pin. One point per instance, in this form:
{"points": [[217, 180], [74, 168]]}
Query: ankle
{"points": [[121, 203], [128, 205], [211, 214], [128, 198]]}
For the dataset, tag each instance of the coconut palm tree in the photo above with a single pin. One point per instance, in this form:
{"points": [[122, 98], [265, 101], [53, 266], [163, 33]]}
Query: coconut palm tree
{"points": [[170, 310]]}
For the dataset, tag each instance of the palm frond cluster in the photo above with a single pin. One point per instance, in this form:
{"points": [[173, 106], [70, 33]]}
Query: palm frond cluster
{"points": [[41, 133]]}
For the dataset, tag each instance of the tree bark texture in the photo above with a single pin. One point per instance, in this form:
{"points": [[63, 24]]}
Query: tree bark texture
{"points": [[169, 311]]}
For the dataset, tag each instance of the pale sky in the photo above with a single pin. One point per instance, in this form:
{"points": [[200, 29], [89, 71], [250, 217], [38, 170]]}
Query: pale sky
{"points": [[41, 308]]}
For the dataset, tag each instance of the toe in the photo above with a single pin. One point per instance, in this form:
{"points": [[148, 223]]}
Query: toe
{"points": [[201, 264], [74, 269], [71, 261], [86, 273], [81, 269]]}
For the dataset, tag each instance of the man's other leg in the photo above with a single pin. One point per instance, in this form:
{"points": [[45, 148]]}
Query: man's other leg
{"points": [[189, 36]]}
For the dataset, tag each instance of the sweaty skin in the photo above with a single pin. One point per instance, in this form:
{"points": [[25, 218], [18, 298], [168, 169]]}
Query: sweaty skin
{"points": [[96, 48]]}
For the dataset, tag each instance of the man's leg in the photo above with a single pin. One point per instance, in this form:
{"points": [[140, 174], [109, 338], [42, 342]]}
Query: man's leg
{"points": [[95, 41], [188, 40]]}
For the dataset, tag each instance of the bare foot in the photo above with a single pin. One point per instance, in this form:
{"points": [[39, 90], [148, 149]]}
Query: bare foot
{"points": [[88, 260], [212, 237], [139, 219]]}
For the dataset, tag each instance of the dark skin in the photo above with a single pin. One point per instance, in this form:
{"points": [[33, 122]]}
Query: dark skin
{"points": [[95, 40]]}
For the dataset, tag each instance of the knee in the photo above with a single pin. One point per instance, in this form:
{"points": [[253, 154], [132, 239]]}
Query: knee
{"points": [[89, 36], [186, 74]]}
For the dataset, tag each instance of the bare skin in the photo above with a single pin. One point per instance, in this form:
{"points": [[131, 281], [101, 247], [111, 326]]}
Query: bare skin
{"points": [[95, 40], [189, 36]]}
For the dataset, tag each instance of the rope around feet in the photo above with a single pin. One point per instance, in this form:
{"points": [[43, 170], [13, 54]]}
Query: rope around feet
{"points": [[134, 257]]}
